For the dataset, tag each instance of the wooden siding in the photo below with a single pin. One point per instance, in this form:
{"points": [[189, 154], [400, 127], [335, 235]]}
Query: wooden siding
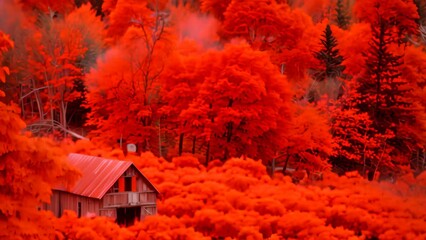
{"points": [[108, 212], [142, 184], [148, 210], [61, 201], [127, 199], [147, 197]]}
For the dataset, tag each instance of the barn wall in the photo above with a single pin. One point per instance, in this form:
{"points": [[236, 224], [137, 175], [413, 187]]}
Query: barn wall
{"points": [[61, 201], [108, 212], [147, 211], [142, 185]]}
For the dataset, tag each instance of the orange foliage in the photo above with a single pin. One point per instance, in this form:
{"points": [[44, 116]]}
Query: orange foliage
{"points": [[29, 167], [238, 200]]}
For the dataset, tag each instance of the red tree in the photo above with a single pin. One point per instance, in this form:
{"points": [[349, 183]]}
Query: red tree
{"points": [[128, 76], [29, 167], [242, 105]]}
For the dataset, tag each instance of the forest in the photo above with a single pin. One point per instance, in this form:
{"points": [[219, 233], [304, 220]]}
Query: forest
{"points": [[255, 119]]}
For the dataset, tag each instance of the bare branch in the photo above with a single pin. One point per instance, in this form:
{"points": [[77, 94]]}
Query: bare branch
{"points": [[33, 91], [53, 125], [422, 30]]}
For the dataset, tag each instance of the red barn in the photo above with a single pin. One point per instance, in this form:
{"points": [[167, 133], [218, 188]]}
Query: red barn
{"points": [[111, 188]]}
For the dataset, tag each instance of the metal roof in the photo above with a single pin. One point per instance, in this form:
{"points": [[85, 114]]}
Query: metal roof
{"points": [[98, 174]]}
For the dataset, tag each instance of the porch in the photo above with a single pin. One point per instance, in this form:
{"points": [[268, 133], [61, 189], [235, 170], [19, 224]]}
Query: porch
{"points": [[126, 199]]}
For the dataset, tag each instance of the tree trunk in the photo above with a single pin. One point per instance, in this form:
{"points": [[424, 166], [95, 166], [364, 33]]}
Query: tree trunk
{"points": [[285, 163], [194, 140], [207, 153], [181, 136]]}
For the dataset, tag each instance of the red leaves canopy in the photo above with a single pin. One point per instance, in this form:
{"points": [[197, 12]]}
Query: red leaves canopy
{"points": [[241, 100]]}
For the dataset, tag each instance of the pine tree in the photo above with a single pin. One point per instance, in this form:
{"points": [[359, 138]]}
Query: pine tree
{"points": [[382, 81], [327, 76], [342, 18], [383, 93], [331, 60]]}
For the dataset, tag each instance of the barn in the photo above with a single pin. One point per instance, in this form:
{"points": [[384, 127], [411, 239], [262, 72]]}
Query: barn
{"points": [[112, 188]]}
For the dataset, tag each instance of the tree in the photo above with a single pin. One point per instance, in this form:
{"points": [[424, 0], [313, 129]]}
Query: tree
{"points": [[382, 92], [242, 106], [308, 143], [399, 16], [342, 18], [48, 65], [329, 57], [261, 23], [56, 50], [414, 70], [129, 76], [181, 81], [328, 77], [29, 167], [287, 34], [133, 13], [358, 145]]}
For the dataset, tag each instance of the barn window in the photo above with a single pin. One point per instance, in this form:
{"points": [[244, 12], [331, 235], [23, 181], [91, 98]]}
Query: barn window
{"points": [[79, 209], [115, 187], [127, 184]]}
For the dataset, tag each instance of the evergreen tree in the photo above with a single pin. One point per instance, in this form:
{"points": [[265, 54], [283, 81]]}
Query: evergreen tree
{"points": [[329, 57], [382, 82], [342, 18], [327, 76], [384, 94]]}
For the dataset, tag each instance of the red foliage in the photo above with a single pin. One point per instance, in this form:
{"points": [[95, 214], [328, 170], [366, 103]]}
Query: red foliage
{"points": [[69, 226], [126, 14], [215, 7], [239, 199], [29, 167], [227, 90], [49, 6], [404, 12], [234, 96]]}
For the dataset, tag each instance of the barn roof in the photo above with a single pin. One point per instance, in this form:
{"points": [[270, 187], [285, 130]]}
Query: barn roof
{"points": [[98, 174]]}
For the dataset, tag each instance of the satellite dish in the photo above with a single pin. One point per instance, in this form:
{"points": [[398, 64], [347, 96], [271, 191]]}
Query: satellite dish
{"points": [[131, 147]]}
